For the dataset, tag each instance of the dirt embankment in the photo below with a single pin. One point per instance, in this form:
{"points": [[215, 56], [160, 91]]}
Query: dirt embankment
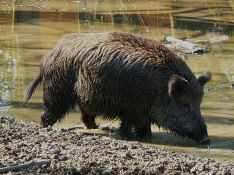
{"points": [[70, 152]]}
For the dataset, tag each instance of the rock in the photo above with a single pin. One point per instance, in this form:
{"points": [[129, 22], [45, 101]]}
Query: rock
{"points": [[55, 156], [57, 151], [63, 158], [128, 155]]}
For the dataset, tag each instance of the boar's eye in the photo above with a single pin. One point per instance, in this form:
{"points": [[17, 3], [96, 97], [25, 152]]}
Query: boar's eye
{"points": [[186, 107]]}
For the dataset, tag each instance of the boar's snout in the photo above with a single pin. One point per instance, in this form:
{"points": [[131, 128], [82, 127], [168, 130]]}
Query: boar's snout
{"points": [[198, 131], [205, 140]]}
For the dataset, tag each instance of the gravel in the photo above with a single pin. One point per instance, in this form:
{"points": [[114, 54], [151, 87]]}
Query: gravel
{"points": [[71, 152]]}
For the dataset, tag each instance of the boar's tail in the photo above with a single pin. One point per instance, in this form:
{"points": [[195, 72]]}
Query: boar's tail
{"points": [[32, 87]]}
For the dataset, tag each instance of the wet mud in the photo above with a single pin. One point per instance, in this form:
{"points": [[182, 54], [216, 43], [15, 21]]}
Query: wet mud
{"points": [[72, 152]]}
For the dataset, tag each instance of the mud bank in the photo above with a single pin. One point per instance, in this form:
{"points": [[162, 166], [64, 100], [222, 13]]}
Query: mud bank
{"points": [[71, 152]]}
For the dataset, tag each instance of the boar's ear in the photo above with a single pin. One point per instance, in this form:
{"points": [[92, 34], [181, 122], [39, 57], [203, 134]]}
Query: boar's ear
{"points": [[176, 85], [205, 78]]}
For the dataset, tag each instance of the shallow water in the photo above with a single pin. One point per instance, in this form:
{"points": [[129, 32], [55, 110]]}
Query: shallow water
{"points": [[29, 29]]}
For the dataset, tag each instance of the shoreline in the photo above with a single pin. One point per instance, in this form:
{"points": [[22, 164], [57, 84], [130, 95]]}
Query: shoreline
{"points": [[72, 152]]}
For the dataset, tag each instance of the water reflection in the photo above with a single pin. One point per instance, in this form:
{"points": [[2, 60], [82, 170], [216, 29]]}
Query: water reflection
{"points": [[25, 16], [8, 77], [27, 32]]}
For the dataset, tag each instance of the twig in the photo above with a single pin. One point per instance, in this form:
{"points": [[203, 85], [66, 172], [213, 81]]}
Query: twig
{"points": [[181, 167], [209, 149], [162, 32], [220, 46], [26, 165]]}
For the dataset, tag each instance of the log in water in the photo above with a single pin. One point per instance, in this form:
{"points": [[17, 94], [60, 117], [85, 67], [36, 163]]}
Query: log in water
{"points": [[184, 46]]}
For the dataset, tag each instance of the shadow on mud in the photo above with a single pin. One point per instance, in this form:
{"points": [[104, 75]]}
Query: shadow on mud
{"points": [[166, 139]]}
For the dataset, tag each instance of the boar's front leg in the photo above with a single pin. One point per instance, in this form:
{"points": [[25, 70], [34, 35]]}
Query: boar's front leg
{"points": [[126, 127], [143, 128]]}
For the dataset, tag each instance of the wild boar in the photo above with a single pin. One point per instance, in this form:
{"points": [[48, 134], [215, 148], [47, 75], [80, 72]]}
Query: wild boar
{"points": [[119, 75]]}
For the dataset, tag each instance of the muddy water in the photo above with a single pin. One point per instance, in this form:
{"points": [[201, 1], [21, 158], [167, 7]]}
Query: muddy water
{"points": [[29, 29]]}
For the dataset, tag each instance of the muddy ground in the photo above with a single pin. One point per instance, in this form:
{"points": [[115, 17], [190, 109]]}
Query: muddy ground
{"points": [[71, 152]]}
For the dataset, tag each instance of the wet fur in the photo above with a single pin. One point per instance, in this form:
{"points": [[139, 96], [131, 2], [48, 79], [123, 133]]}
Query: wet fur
{"points": [[113, 75]]}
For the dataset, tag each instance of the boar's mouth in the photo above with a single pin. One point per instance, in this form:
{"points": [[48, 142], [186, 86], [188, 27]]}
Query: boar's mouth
{"points": [[176, 131], [203, 140]]}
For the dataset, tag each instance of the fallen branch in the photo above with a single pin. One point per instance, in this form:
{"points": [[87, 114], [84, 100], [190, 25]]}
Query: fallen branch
{"points": [[73, 128], [26, 165]]}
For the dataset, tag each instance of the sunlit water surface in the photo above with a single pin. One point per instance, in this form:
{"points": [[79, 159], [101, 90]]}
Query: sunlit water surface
{"points": [[29, 29]]}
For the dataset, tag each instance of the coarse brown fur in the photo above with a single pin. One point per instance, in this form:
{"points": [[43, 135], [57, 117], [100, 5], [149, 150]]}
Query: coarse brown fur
{"points": [[118, 75]]}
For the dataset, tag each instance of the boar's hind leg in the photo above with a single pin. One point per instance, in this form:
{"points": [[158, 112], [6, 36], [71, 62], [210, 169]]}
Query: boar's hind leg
{"points": [[88, 120], [56, 105], [126, 127]]}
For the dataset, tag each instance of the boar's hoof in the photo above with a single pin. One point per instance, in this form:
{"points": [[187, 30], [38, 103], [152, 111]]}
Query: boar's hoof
{"points": [[47, 120], [92, 126], [205, 140]]}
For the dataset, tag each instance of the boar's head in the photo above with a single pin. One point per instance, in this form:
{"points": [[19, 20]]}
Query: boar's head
{"points": [[183, 112]]}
